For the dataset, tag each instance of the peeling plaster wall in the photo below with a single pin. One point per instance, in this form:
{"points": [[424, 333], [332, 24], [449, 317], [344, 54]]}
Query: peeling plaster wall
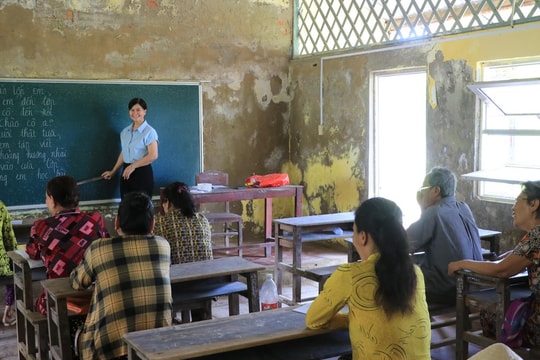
{"points": [[334, 166], [239, 48]]}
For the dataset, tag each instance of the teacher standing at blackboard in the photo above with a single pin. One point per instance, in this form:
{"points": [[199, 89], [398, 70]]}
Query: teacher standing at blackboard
{"points": [[139, 149]]}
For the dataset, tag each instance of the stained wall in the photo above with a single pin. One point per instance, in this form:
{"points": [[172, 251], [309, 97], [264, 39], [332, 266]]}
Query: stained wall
{"points": [[240, 49], [334, 165], [261, 110]]}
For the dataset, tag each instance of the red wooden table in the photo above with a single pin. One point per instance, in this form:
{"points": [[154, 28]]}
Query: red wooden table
{"points": [[230, 194], [239, 194]]}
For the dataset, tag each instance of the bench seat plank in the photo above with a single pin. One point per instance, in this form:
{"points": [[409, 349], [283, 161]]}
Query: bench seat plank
{"points": [[206, 291]]}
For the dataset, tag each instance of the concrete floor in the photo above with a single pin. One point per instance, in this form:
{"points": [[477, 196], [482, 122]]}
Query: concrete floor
{"points": [[314, 254]]}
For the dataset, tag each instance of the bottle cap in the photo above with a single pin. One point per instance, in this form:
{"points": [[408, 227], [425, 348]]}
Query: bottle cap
{"points": [[268, 275]]}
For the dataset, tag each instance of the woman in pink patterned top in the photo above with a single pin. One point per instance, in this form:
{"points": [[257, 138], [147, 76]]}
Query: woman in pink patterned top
{"points": [[60, 240]]}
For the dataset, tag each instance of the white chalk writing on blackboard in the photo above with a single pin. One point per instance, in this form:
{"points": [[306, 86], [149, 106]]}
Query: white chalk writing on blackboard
{"points": [[29, 143]]}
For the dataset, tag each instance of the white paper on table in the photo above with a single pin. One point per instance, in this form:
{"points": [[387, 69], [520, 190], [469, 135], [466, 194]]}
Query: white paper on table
{"points": [[305, 307]]}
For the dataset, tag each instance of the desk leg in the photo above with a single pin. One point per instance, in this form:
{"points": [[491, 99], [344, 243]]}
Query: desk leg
{"points": [[298, 202], [234, 301], [252, 279], [133, 354], [352, 254], [267, 225], [64, 329], [462, 319], [59, 335], [297, 264], [279, 260]]}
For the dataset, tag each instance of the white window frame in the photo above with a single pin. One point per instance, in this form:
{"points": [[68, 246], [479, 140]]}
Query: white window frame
{"points": [[501, 184]]}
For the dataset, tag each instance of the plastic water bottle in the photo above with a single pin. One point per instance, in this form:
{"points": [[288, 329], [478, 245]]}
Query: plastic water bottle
{"points": [[268, 294]]}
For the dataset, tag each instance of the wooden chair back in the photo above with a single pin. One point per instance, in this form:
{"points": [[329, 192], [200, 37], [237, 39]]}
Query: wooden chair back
{"points": [[226, 218], [212, 177]]}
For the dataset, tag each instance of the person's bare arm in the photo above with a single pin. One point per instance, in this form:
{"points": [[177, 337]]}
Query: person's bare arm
{"points": [[109, 174], [509, 266]]}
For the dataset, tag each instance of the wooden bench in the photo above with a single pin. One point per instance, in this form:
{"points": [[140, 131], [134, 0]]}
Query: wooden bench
{"points": [[291, 233], [274, 334], [495, 292], [318, 274], [330, 345], [199, 296], [32, 332], [446, 318]]}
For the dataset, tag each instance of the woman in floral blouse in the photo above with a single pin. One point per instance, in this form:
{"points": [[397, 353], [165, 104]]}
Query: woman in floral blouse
{"points": [[526, 254]]}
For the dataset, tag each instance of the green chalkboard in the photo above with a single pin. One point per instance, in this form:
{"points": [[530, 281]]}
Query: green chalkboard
{"points": [[57, 127]]}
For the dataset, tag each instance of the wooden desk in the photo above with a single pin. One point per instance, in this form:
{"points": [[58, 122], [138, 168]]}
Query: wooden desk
{"points": [[228, 266], [292, 232], [21, 228], [59, 290], [32, 338], [493, 237], [230, 194], [495, 290], [226, 334]]}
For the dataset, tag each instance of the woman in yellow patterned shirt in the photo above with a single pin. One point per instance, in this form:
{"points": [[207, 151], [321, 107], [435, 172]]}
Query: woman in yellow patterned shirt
{"points": [[388, 316]]}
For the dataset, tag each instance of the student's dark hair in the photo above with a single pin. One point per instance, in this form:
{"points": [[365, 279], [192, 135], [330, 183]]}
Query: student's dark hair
{"points": [[178, 194], [532, 190], [64, 191], [382, 219], [443, 178], [136, 213], [136, 101]]}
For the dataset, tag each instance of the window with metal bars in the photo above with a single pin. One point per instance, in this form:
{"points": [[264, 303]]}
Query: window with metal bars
{"points": [[323, 26]]}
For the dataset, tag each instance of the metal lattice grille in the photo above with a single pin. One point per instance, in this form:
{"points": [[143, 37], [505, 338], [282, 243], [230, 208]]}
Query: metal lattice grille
{"points": [[330, 25]]}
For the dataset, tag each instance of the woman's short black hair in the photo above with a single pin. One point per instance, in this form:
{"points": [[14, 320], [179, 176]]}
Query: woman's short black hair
{"points": [[136, 101], [64, 191], [532, 190], [178, 194], [136, 214]]}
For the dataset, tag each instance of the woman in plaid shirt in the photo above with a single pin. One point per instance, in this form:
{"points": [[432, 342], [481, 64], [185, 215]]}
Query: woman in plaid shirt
{"points": [[132, 287]]}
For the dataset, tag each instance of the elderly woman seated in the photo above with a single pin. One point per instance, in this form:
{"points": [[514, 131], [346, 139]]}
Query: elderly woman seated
{"points": [[526, 255]]}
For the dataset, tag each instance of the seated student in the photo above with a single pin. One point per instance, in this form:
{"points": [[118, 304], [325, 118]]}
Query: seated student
{"points": [[61, 239], [132, 284], [187, 231], [526, 254], [8, 242], [388, 316], [446, 231]]}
